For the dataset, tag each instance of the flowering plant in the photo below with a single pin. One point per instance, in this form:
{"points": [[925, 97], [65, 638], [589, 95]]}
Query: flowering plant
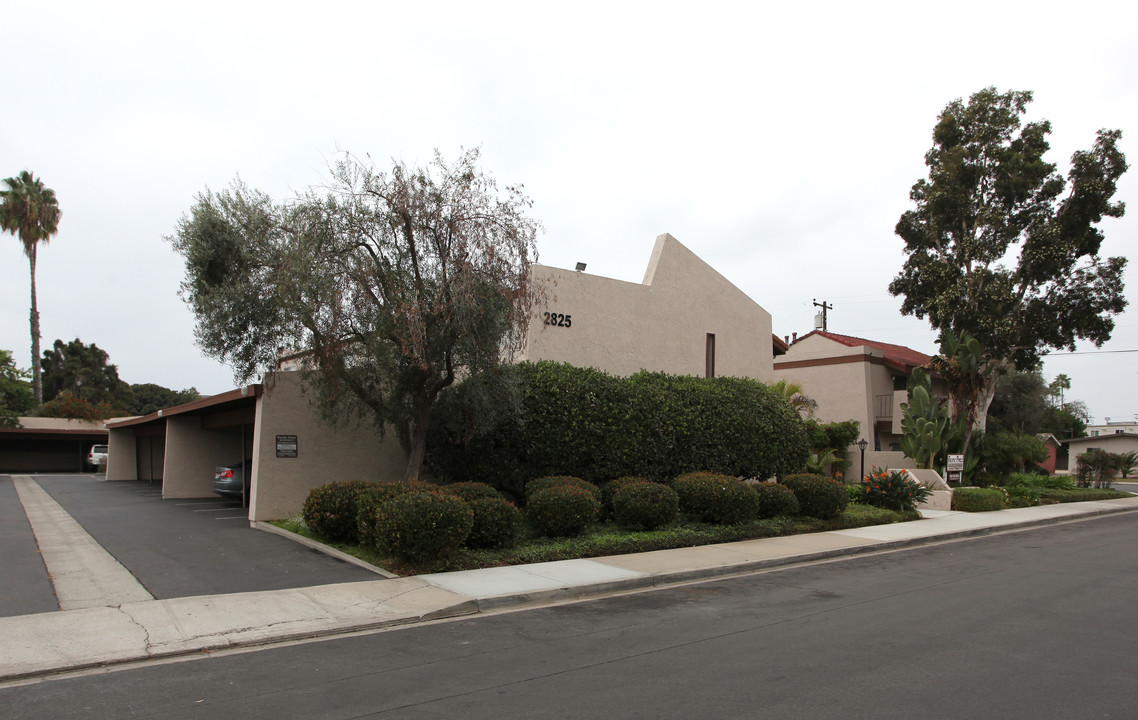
{"points": [[894, 490]]}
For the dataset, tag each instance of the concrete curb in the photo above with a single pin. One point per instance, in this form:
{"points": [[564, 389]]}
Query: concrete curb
{"points": [[332, 552], [749, 567], [182, 627]]}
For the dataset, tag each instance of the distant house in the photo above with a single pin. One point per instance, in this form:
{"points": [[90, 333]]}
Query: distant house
{"points": [[1056, 453], [1113, 428], [1118, 443], [858, 379]]}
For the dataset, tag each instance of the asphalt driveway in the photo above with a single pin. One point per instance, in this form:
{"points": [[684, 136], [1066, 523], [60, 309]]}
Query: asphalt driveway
{"points": [[175, 548]]}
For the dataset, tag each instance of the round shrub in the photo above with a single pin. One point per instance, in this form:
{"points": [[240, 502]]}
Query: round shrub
{"points": [[374, 495], [544, 483], [563, 510], [818, 496], [420, 526], [330, 510], [471, 490], [610, 488], [496, 523], [775, 500], [976, 499], [715, 498], [644, 505]]}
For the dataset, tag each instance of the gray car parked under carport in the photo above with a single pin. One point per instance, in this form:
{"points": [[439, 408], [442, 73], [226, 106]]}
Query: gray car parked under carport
{"points": [[233, 479]]}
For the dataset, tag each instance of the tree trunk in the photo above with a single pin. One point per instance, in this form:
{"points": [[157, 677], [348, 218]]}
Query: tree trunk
{"points": [[981, 403], [37, 380], [417, 441]]}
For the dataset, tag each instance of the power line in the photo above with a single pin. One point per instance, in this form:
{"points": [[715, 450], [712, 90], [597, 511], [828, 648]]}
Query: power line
{"points": [[1087, 352]]}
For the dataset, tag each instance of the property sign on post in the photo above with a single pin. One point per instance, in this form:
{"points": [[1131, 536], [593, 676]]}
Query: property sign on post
{"points": [[286, 446], [955, 468]]}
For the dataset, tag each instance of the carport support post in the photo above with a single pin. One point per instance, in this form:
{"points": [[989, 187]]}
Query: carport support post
{"points": [[244, 480]]}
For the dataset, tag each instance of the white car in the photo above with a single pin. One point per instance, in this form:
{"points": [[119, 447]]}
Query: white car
{"points": [[97, 456]]}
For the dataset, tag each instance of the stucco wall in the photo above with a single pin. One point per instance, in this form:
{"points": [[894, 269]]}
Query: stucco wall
{"points": [[122, 454], [193, 454], [661, 324], [324, 454]]}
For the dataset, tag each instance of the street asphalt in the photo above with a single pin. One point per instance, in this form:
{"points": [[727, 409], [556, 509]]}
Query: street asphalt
{"points": [[173, 625]]}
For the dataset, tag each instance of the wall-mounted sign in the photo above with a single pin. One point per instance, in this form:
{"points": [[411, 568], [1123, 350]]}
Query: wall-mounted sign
{"points": [[286, 446], [557, 319]]}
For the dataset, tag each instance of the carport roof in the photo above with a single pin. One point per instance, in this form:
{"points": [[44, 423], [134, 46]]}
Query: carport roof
{"points": [[44, 426], [212, 403]]}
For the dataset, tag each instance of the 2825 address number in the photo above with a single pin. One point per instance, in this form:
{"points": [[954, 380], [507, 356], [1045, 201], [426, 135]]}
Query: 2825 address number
{"points": [[558, 319]]}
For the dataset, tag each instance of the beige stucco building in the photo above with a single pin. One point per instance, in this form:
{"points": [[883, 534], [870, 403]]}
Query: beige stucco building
{"points": [[684, 318], [857, 379], [291, 450]]}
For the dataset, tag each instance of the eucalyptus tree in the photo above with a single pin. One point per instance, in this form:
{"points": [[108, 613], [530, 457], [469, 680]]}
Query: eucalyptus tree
{"points": [[30, 211], [387, 286], [1001, 246]]}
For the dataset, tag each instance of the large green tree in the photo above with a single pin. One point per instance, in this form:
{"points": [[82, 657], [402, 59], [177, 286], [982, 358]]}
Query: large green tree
{"points": [[146, 398], [386, 285], [30, 211], [1001, 246], [16, 396], [83, 371]]}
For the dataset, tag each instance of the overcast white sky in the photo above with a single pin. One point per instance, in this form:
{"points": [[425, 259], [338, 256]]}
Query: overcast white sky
{"points": [[779, 144]]}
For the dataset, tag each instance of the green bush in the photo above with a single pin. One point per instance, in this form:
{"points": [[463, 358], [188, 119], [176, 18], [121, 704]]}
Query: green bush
{"points": [[471, 490], [893, 490], [857, 494], [976, 499], [713, 498], [1024, 496], [610, 488], [818, 496], [374, 495], [497, 523], [418, 526], [1055, 482], [544, 483], [775, 500], [644, 505], [563, 510], [330, 510], [588, 424]]}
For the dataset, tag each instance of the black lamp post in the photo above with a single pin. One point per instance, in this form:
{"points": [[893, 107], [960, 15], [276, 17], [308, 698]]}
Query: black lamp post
{"points": [[862, 445]]}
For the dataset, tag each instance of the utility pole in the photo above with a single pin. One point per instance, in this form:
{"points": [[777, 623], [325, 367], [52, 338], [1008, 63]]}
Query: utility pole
{"points": [[824, 307]]}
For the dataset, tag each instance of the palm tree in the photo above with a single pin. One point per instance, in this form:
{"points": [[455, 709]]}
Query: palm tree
{"points": [[29, 210]]}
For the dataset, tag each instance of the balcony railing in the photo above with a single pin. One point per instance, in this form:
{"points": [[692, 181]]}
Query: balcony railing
{"points": [[883, 407]]}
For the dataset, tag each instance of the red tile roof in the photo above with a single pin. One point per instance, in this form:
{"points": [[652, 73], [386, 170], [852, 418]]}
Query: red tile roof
{"points": [[896, 354]]}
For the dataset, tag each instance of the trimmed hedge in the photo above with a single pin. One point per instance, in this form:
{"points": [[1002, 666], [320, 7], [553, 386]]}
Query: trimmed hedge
{"points": [[1053, 482], [818, 496], [373, 496], [497, 523], [644, 505], [976, 499], [775, 500], [610, 488], [563, 510], [418, 526], [713, 498], [588, 424], [330, 510], [469, 491], [544, 483]]}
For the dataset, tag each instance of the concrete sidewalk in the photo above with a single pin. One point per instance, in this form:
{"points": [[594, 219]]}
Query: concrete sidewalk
{"points": [[33, 645]]}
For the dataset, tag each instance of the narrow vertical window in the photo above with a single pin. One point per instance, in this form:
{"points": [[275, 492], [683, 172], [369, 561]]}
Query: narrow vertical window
{"points": [[711, 355]]}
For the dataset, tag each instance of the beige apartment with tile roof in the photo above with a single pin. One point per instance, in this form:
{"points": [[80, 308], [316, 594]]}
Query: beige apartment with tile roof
{"points": [[854, 378]]}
